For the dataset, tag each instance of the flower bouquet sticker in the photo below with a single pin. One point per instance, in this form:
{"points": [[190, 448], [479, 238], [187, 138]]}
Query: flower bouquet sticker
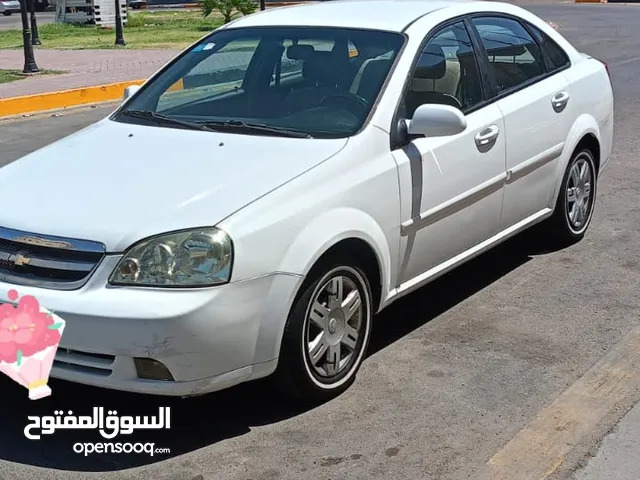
{"points": [[29, 338]]}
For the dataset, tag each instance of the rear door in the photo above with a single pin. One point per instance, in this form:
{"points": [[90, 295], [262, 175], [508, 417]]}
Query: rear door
{"points": [[535, 101]]}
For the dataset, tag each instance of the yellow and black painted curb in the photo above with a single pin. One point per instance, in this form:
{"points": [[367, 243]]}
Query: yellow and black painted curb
{"points": [[63, 99]]}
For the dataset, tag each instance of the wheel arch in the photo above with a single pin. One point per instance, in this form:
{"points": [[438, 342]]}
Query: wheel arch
{"points": [[343, 231], [583, 133], [591, 142], [364, 256]]}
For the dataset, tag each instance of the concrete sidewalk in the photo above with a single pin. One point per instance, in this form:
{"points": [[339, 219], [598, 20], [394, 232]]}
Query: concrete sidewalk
{"points": [[618, 457], [85, 68]]}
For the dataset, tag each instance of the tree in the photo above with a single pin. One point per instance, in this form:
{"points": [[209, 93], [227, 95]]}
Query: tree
{"points": [[227, 8]]}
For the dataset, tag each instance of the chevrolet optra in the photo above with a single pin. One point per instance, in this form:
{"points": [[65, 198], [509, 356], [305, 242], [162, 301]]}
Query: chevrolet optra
{"points": [[247, 210]]}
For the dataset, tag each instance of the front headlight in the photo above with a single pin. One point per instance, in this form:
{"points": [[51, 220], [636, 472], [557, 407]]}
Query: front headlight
{"points": [[193, 258]]}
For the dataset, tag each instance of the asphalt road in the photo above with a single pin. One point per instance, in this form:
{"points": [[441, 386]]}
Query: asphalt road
{"points": [[456, 370], [13, 22]]}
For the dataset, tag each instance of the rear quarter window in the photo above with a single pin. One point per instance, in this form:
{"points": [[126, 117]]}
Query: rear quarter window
{"points": [[556, 57], [512, 52]]}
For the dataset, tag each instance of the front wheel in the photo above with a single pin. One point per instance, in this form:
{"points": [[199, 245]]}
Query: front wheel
{"points": [[576, 200], [6, 14], [326, 335]]}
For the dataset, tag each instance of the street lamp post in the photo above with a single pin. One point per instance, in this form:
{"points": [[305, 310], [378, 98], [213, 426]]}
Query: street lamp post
{"points": [[29, 60], [119, 35], [35, 38]]}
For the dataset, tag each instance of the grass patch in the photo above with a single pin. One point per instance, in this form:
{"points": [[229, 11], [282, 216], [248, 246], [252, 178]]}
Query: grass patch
{"points": [[144, 30], [7, 76]]}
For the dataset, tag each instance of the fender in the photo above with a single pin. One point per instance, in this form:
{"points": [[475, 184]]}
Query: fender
{"points": [[328, 229], [309, 245], [584, 124]]}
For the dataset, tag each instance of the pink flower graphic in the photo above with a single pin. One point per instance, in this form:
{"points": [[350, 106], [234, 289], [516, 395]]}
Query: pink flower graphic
{"points": [[29, 338], [25, 328], [8, 352]]}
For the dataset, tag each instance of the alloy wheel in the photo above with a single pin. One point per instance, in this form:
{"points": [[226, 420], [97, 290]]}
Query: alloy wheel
{"points": [[579, 194], [336, 326]]}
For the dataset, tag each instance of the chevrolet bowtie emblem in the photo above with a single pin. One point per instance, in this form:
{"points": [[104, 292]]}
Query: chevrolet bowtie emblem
{"points": [[21, 260]]}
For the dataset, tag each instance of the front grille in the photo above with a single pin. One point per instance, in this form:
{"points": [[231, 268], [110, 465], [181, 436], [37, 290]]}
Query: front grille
{"points": [[47, 261]]}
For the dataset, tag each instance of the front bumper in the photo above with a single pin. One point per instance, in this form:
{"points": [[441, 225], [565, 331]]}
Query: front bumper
{"points": [[208, 339]]}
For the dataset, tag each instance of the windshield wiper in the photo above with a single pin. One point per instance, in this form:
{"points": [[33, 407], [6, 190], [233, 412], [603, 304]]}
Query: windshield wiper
{"points": [[164, 118], [256, 127]]}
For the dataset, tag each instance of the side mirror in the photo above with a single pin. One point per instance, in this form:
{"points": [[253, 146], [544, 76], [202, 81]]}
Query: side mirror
{"points": [[130, 91], [435, 120]]}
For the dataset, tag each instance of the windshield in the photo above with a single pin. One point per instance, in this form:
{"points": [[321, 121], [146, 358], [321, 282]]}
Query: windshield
{"points": [[318, 82]]}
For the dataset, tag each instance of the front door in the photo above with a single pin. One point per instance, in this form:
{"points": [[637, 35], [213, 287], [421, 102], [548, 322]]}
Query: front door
{"points": [[451, 187]]}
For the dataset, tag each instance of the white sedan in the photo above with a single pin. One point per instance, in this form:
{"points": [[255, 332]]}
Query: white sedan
{"points": [[248, 210], [7, 7]]}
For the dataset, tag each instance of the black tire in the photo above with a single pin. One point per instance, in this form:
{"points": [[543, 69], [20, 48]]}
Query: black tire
{"points": [[6, 14], [296, 377], [561, 229]]}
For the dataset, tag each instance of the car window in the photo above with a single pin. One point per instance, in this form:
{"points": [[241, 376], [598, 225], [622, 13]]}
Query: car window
{"points": [[446, 73], [556, 56], [291, 65], [216, 74], [512, 53], [318, 81]]}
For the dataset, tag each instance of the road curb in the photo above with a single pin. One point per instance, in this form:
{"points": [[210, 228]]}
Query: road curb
{"points": [[113, 104], [542, 446], [62, 99]]}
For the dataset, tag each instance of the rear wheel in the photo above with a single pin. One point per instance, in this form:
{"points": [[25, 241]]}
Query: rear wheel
{"points": [[326, 335], [6, 13], [576, 200]]}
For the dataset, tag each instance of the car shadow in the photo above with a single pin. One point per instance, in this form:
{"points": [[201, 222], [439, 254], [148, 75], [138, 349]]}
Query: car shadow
{"points": [[202, 421]]}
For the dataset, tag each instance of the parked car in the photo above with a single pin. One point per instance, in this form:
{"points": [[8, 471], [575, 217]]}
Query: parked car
{"points": [[248, 210], [7, 7], [137, 4]]}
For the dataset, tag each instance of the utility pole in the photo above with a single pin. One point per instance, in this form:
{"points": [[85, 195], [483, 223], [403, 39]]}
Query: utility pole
{"points": [[35, 38], [29, 60], [119, 35]]}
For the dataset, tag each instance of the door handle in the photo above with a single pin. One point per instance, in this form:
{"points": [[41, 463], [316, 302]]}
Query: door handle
{"points": [[486, 138], [559, 101]]}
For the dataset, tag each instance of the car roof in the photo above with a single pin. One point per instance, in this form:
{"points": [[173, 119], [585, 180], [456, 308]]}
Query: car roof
{"points": [[391, 15]]}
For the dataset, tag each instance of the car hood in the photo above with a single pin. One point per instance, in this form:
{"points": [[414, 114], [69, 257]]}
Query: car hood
{"points": [[118, 183]]}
